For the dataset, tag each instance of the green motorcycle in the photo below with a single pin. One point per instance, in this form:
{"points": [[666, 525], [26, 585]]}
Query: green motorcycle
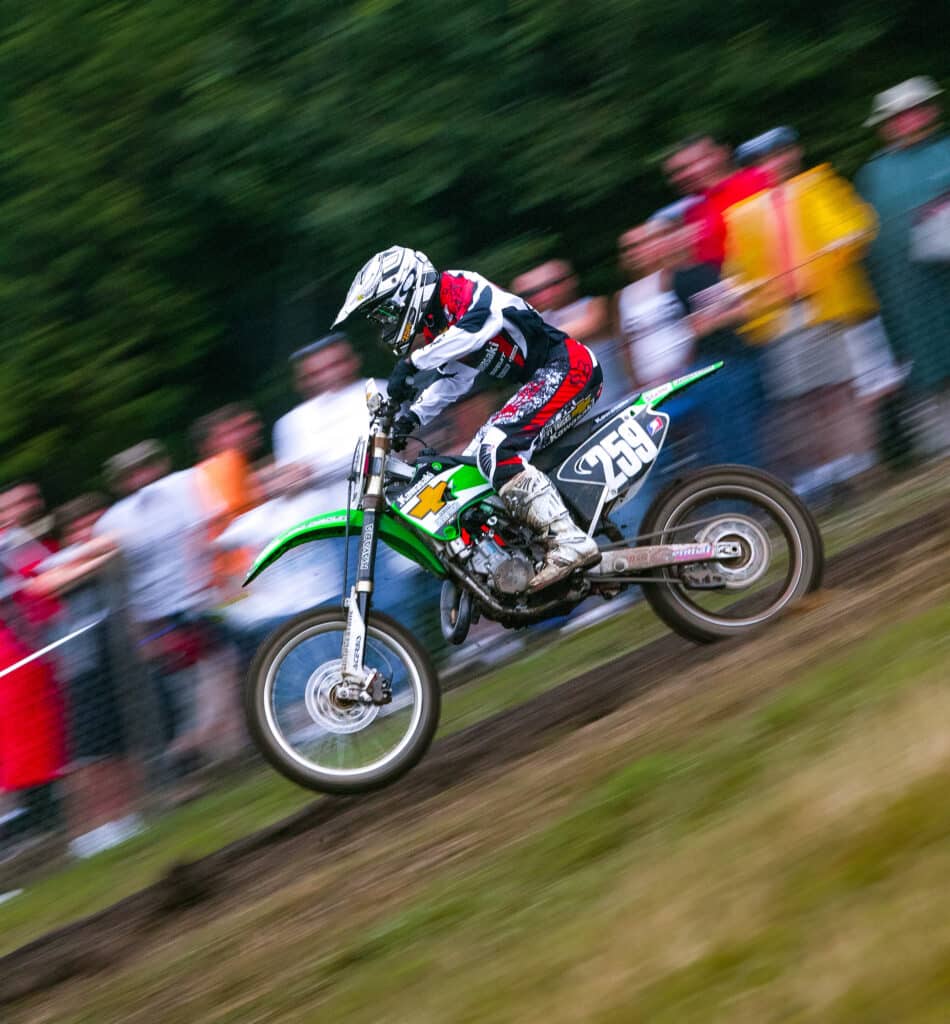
{"points": [[344, 699]]}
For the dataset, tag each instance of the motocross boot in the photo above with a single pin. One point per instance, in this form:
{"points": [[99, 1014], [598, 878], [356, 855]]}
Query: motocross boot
{"points": [[532, 500]]}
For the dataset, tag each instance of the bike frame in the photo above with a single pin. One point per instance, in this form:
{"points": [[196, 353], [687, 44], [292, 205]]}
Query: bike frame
{"points": [[374, 521]]}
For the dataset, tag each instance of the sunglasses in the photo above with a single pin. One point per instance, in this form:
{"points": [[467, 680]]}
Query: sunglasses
{"points": [[528, 292]]}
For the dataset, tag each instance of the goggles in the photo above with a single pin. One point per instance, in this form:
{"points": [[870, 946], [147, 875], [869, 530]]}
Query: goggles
{"points": [[387, 313]]}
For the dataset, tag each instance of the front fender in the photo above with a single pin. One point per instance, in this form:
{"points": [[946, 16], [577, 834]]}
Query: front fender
{"points": [[333, 524]]}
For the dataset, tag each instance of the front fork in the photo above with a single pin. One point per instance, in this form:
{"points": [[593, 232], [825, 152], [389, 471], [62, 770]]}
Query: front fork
{"points": [[358, 601]]}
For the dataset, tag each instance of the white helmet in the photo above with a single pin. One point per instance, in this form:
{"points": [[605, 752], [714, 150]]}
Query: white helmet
{"points": [[394, 290]]}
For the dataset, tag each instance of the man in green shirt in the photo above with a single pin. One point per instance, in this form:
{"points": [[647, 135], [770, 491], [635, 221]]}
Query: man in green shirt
{"points": [[908, 184]]}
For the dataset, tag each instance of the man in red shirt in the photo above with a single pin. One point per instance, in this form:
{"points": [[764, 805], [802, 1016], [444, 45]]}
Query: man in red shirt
{"points": [[701, 168]]}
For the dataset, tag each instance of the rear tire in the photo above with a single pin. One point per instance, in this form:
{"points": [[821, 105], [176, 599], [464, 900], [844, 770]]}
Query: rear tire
{"points": [[670, 599], [276, 722]]}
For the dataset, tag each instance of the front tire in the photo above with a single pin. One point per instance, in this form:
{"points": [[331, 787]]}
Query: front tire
{"points": [[754, 509], [310, 737]]}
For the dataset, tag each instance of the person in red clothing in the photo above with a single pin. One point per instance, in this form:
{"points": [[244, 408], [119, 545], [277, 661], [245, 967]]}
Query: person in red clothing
{"points": [[702, 168], [32, 750], [32, 737]]}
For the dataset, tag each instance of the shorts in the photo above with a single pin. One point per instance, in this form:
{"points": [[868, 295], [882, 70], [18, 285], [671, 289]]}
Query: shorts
{"points": [[806, 359]]}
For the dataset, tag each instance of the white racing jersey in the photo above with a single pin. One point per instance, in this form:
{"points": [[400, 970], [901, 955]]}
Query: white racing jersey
{"points": [[478, 328]]}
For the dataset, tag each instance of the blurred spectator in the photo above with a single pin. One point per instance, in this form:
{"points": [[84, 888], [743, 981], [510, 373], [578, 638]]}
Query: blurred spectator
{"points": [[321, 432], [294, 583], [796, 249], [733, 403], [908, 184], [702, 167], [22, 506], [320, 435], [672, 322], [32, 751], [465, 418], [658, 343], [227, 440], [95, 668], [658, 346], [160, 525], [552, 288]]}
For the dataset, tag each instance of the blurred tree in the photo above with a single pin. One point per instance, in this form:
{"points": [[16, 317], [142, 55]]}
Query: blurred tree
{"points": [[186, 189]]}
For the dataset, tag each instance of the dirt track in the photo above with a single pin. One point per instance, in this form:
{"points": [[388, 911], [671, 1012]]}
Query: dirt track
{"points": [[192, 893]]}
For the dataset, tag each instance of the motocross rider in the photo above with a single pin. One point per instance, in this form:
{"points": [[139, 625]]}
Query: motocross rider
{"points": [[472, 327]]}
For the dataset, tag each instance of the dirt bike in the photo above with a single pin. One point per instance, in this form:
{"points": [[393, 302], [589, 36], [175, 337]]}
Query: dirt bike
{"points": [[344, 699]]}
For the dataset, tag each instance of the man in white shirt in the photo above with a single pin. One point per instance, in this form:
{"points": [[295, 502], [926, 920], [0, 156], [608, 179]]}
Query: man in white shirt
{"points": [[322, 431], [553, 289], [160, 526], [319, 436]]}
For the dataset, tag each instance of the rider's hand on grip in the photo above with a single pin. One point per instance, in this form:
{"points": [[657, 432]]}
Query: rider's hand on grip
{"points": [[404, 425], [400, 389]]}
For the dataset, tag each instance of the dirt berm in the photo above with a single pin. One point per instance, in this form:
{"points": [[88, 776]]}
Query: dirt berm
{"points": [[192, 892]]}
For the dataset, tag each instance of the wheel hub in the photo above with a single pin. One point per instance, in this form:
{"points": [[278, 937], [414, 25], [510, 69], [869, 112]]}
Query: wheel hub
{"points": [[325, 706], [755, 550]]}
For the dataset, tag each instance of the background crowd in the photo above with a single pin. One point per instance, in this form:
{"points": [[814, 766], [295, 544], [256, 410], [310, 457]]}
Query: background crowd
{"points": [[828, 301]]}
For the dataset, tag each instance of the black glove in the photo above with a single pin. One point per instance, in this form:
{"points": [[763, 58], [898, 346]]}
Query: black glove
{"points": [[404, 424], [400, 390]]}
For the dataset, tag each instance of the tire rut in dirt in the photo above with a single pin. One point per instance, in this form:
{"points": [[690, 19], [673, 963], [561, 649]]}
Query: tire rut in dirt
{"points": [[210, 885]]}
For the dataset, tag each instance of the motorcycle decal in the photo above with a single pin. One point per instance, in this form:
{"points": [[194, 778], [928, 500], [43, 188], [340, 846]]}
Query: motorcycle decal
{"points": [[621, 452], [430, 499], [434, 503]]}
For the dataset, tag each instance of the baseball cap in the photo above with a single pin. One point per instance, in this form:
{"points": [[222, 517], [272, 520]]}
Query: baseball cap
{"points": [[327, 341], [768, 142], [139, 454]]}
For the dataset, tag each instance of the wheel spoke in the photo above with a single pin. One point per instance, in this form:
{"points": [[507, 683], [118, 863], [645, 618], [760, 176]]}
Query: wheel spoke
{"points": [[757, 583]]}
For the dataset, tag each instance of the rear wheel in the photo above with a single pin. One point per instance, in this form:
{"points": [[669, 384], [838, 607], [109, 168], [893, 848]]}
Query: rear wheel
{"points": [[780, 552], [314, 738]]}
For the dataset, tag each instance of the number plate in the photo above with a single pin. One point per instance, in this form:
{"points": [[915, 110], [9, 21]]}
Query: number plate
{"points": [[620, 453]]}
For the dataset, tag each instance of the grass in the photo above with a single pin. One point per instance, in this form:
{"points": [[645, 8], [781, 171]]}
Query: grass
{"points": [[206, 825], [184, 834], [82, 888], [786, 861]]}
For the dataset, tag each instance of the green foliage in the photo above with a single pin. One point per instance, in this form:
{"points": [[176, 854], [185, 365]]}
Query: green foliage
{"points": [[187, 188]]}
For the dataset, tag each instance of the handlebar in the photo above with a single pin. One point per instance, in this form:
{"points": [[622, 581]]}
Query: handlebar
{"points": [[382, 411]]}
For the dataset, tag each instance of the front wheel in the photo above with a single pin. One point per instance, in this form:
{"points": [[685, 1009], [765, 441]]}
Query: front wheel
{"points": [[780, 552], [308, 734]]}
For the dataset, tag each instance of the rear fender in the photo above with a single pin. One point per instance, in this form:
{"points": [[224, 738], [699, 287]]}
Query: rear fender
{"points": [[333, 524], [652, 398]]}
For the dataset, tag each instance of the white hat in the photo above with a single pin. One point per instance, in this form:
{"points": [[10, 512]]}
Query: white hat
{"points": [[902, 97]]}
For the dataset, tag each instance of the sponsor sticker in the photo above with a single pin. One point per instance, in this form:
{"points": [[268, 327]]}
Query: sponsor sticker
{"points": [[690, 552], [431, 499], [654, 425]]}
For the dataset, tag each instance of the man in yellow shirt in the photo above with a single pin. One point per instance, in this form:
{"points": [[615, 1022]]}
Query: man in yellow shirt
{"points": [[795, 249]]}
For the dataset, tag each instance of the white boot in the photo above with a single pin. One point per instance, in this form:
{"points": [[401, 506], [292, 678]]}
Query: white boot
{"points": [[533, 500]]}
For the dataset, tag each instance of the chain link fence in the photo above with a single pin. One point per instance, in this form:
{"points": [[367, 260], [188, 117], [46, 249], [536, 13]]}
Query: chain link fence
{"points": [[106, 725]]}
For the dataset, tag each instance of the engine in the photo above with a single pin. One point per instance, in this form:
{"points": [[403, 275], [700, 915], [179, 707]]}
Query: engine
{"points": [[494, 549], [508, 571]]}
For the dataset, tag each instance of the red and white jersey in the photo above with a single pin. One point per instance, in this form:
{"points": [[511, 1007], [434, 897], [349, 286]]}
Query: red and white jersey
{"points": [[477, 328]]}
